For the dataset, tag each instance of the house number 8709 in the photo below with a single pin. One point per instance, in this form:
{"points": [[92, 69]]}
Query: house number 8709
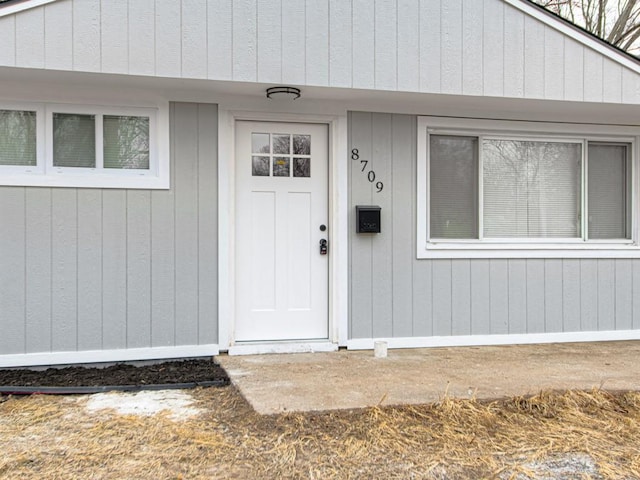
{"points": [[371, 174]]}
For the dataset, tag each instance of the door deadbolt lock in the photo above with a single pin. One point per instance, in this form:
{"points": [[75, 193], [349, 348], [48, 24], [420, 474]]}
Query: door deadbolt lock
{"points": [[323, 247]]}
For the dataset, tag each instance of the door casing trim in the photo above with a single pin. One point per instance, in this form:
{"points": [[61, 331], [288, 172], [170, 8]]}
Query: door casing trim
{"points": [[338, 220]]}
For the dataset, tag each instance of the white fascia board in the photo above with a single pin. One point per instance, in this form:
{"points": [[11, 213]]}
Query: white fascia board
{"points": [[101, 356], [20, 6], [487, 340], [575, 33]]}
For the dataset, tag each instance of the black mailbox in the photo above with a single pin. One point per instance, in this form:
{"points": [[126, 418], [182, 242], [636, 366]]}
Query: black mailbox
{"points": [[367, 219]]}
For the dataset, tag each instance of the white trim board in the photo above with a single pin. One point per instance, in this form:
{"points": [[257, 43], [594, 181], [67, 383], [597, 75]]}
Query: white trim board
{"points": [[99, 356], [282, 347], [21, 6], [487, 340]]}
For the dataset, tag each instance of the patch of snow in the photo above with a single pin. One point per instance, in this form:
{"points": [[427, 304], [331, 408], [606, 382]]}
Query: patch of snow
{"points": [[561, 467], [237, 373], [145, 403]]}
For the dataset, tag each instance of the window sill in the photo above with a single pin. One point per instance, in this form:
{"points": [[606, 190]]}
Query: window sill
{"points": [[591, 250]]}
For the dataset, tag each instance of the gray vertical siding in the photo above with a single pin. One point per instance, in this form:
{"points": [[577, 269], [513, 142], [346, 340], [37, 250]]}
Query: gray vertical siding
{"points": [[91, 269], [393, 294], [457, 47]]}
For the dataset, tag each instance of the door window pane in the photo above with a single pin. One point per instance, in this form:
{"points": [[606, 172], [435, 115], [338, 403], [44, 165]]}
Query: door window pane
{"points": [[608, 186], [74, 140], [17, 138], [260, 166], [281, 144], [302, 144], [280, 166], [453, 187], [259, 143], [301, 167], [126, 142], [531, 189]]}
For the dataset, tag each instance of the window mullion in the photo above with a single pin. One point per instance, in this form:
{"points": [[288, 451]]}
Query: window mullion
{"points": [[99, 142], [585, 189], [480, 191], [630, 192], [48, 140]]}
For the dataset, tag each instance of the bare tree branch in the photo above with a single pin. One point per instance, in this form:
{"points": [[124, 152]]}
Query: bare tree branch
{"points": [[616, 21]]}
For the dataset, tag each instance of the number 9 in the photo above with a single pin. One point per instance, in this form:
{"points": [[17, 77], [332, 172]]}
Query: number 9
{"points": [[379, 186]]}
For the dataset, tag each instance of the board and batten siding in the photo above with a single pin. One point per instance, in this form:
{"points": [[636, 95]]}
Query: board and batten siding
{"points": [[100, 269], [479, 47], [393, 294]]}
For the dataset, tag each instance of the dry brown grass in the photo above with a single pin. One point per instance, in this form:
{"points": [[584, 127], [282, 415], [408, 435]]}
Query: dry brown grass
{"points": [[54, 437]]}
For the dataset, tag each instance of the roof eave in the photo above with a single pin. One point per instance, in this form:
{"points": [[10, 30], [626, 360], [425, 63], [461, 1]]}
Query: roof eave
{"points": [[14, 6]]}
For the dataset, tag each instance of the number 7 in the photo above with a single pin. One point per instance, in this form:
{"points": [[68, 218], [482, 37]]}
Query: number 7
{"points": [[364, 162]]}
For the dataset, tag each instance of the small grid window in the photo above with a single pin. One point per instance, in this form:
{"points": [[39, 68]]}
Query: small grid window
{"points": [[280, 155]]}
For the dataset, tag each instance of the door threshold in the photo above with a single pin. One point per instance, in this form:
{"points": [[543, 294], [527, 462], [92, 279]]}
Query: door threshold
{"points": [[258, 348]]}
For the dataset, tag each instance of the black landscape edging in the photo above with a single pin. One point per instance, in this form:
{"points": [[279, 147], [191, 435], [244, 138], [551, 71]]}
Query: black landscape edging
{"points": [[18, 390]]}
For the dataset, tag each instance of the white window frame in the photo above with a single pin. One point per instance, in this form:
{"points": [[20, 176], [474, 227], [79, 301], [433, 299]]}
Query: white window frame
{"points": [[524, 248], [45, 174]]}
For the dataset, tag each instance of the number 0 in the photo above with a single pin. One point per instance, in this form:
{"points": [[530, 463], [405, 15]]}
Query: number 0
{"points": [[371, 176]]}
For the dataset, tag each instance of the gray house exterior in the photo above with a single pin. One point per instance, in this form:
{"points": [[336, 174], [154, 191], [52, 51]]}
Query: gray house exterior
{"points": [[204, 233]]}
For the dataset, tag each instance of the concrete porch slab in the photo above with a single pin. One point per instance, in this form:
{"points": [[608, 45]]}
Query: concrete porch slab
{"points": [[354, 379]]}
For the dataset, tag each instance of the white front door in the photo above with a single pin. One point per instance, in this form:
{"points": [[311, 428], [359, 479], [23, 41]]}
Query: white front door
{"points": [[281, 218]]}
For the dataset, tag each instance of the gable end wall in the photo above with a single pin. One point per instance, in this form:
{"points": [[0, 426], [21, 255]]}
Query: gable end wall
{"points": [[480, 48]]}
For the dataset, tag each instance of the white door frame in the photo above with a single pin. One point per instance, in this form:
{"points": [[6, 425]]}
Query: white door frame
{"points": [[338, 230]]}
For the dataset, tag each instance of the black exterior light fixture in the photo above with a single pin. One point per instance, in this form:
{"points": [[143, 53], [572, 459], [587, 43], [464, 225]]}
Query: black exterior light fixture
{"points": [[283, 93]]}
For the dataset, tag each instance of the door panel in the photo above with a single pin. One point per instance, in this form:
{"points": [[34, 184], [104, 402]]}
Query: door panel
{"points": [[263, 240], [281, 201]]}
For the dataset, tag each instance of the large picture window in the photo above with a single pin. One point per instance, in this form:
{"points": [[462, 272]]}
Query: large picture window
{"points": [[83, 146], [518, 192]]}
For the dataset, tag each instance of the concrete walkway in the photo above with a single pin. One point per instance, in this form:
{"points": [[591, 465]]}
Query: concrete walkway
{"points": [[352, 379]]}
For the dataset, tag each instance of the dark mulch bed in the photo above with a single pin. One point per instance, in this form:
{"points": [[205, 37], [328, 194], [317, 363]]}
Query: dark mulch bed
{"points": [[182, 371]]}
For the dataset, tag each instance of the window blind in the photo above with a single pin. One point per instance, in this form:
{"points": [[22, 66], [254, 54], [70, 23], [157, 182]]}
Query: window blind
{"points": [[126, 142], [607, 191], [531, 189], [74, 140], [453, 187], [17, 138]]}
